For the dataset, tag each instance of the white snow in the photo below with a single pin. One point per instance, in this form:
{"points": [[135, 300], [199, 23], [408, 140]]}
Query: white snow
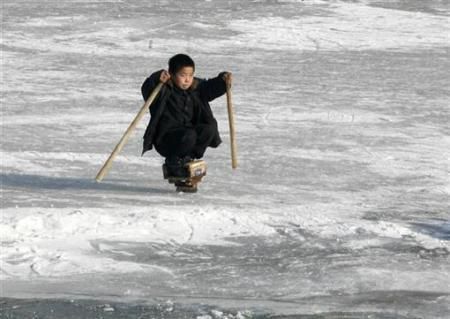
{"points": [[35, 245], [345, 26]]}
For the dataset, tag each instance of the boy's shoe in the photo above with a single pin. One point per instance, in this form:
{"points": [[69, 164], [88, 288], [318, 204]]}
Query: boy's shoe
{"points": [[175, 167], [185, 178], [174, 172]]}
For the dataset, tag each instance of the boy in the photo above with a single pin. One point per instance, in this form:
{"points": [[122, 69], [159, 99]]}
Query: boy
{"points": [[182, 124]]}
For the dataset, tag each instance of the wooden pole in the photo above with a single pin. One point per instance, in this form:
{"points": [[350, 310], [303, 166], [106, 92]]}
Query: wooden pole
{"points": [[232, 131], [106, 167]]}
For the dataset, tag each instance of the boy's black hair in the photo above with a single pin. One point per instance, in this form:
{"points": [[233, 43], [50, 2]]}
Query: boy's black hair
{"points": [[179, 61]]}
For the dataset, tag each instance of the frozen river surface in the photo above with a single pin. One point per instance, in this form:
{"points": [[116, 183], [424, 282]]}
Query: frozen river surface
{"points": [[339, 207]]}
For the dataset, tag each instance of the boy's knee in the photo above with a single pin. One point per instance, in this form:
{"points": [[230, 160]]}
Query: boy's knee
{"points": [[209, 129]]}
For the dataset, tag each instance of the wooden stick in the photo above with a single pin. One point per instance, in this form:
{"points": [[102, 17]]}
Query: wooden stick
{"points": [[232, 132], [106, 167]]}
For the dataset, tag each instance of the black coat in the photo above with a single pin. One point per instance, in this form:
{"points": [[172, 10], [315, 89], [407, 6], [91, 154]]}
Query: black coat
{"points": [[203, 91]]}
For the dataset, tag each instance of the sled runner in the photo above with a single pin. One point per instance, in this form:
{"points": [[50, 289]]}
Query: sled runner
{"points": [[194, 172]]}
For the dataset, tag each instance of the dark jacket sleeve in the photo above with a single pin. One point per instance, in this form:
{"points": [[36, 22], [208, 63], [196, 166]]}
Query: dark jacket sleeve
{"points": [[213, 88], [150, 83]]}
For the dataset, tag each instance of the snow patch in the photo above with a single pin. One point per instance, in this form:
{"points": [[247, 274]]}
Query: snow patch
{"points": [[349, 26], [52, 21], [57, 242]]}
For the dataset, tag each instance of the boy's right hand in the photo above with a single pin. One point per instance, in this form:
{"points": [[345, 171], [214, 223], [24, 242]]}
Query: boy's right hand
{"points": [[164, 77]]}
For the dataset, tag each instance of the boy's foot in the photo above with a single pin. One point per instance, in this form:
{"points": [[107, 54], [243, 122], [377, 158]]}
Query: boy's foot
{"points": [[175, 167], [185, 178]]}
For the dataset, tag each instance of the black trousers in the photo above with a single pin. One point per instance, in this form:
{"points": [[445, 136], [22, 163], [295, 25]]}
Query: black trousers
{"points": [[187, 141]]}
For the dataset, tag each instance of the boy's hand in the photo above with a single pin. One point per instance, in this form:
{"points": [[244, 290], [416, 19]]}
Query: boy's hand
{"points": [[164, 77], [228, 78]]}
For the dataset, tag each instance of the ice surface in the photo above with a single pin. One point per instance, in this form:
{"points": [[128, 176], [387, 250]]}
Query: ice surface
{"points": [[339, 207]]}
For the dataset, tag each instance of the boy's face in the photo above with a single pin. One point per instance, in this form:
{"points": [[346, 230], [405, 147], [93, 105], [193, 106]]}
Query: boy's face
{"points": [[184, 77]]}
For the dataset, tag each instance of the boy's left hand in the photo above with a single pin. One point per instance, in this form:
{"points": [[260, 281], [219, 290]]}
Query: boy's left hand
{"points": [[228, 78]]}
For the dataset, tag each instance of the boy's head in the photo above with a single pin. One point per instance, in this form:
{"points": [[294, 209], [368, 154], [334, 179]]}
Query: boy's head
{"points": [[179, 61], [181, 69]]}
